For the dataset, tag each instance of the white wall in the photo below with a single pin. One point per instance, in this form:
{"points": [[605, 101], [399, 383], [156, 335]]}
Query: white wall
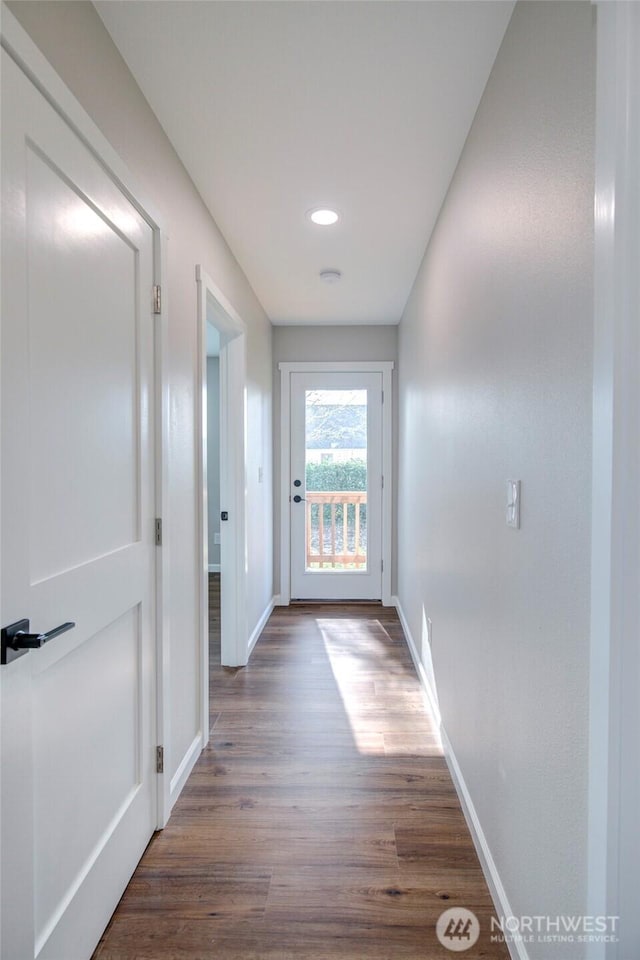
{"points": [[73, 38], [325, 343], [495, 383], [213, 456]]}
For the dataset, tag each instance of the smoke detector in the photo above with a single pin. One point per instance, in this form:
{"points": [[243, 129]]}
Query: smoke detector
{"points": [[330, 276]]}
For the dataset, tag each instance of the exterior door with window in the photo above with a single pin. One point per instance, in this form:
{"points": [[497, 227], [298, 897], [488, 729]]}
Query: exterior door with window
{"points": [[77, 713], [336, 485]]}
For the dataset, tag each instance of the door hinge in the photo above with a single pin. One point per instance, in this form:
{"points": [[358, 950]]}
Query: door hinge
{"points": [[382, 566], [159, 759], [382, 478], [157, 299], [158, 531], [383, 396]]}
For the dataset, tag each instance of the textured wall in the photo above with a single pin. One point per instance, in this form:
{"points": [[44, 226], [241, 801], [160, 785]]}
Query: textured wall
{"points": [[495, 383], [73, 38]]}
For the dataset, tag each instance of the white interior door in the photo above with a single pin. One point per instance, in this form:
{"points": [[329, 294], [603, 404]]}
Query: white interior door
{"points": [[336, 485], [77, 501]]}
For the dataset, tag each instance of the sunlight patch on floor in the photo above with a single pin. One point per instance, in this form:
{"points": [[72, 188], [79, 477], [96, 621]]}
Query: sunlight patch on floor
{"points": [[395, 720]]}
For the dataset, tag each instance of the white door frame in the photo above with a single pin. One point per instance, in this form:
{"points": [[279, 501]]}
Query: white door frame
{"points": [[614, 759], [20, 47], [233, 547], [385, 367]]}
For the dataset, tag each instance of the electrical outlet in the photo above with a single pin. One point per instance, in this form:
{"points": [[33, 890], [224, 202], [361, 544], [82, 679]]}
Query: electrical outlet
{"points": [[260, 474], [513, 503], [216, 538], [426, 636]]}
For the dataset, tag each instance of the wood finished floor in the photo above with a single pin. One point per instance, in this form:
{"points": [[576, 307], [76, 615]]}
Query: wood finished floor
{"points": [[320, 822]]}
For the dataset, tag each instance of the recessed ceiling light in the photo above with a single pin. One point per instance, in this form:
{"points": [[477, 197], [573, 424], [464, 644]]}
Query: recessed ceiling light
{"points": [[323, 216], [330, 276]]}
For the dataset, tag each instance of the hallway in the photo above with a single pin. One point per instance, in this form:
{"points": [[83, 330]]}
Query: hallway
{"points": [[444, 190], [320, 822]]}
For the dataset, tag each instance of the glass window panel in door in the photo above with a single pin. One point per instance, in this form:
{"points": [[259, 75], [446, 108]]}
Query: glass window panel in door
{"points": [[336, 480]]}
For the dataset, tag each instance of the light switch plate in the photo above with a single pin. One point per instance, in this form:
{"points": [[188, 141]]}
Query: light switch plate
{"points": [[513, 503]]}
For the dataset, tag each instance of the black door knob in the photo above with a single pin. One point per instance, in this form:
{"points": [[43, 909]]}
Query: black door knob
{"points": [[298, 499]]}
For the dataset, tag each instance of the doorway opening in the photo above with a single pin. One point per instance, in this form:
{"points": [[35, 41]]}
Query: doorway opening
{"points": [[336, 478], [213, 345], [221, 495], [336, 485]]}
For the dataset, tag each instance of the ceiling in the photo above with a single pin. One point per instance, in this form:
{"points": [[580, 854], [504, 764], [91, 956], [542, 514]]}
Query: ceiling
{"points": [[279, 107]]}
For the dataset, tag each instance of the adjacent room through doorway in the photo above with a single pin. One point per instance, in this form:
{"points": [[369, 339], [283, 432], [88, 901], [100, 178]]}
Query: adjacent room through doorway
{"points": [[213, 485]]}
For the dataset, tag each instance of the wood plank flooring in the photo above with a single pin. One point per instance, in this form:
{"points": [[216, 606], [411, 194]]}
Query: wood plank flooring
{"points": [[321, 822]]}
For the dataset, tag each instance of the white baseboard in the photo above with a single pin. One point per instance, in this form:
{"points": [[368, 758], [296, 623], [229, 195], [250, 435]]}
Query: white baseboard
{"points": [[185, 767], [517, 949], [188, 762], [417, 662], [260, 625], [214, 568]]}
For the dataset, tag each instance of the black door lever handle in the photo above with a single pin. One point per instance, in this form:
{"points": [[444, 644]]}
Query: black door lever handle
{"points": [[16, 639], [32, 641]]}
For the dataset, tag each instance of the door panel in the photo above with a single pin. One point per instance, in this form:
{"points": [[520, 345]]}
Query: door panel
{"points": [[81, 376], [78, 507], [105, 673], [336, 485]]}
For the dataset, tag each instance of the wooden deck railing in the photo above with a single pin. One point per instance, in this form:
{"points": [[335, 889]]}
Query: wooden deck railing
{"points": [[329, 547]]}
